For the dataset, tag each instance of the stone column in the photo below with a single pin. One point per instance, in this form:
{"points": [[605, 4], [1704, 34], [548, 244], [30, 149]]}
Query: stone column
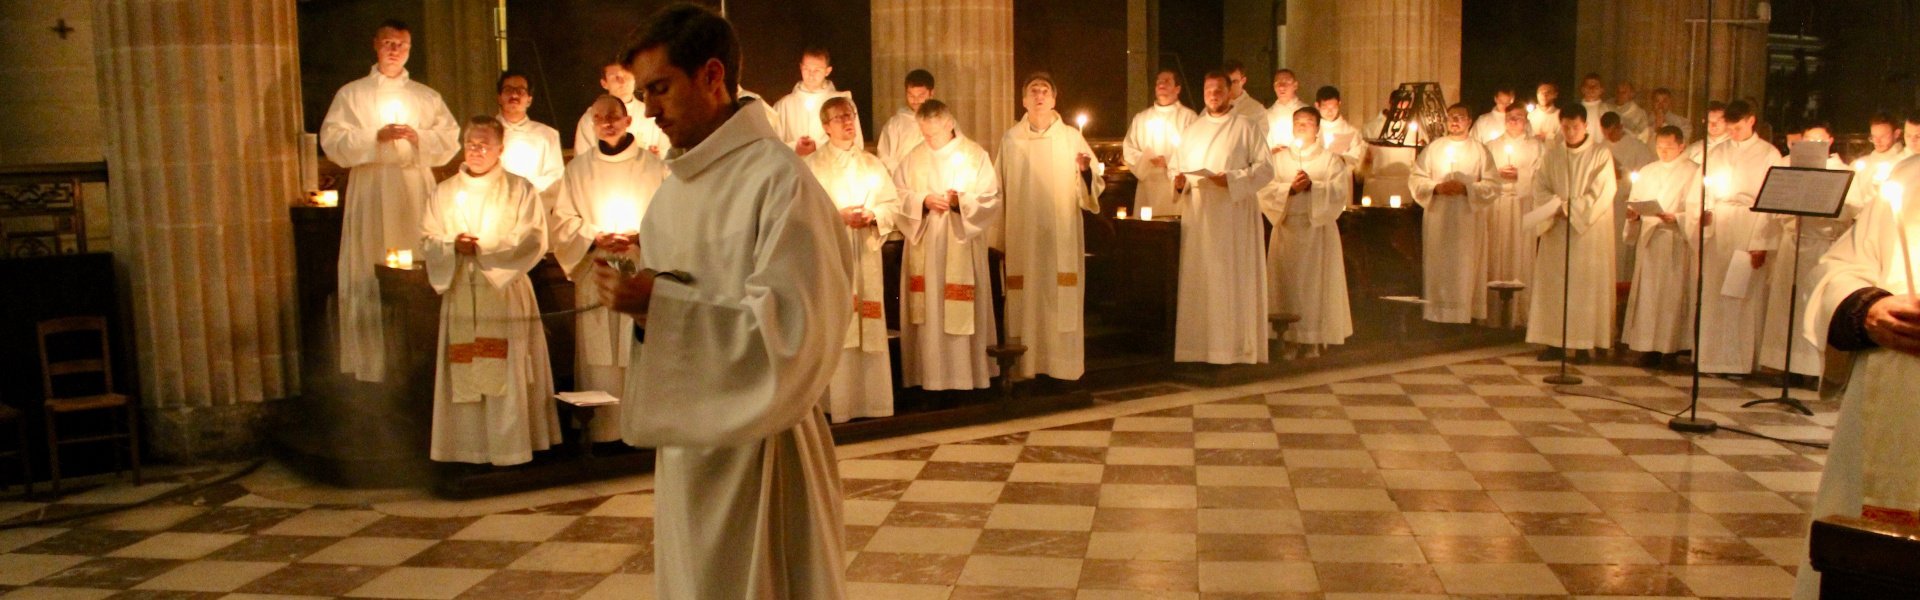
{"points": [[1646, 42], [201, 110], [1374, 46], [465, 62], [966, 44]]}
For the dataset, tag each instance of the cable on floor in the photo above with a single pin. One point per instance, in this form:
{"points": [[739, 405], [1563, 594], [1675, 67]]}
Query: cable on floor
{"points": [[1575, 391]]}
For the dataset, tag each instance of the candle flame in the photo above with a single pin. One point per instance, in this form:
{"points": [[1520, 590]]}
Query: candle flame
{"points": [[1146, 213], [1366, 200], [1860, 165], [392, 111], [1530, 108], [1633, 177], [1081, 120]]}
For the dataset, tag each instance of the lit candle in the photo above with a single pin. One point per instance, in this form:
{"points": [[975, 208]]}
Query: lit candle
{"points": [[403, 259], [957, 182], [1393, 201], [326, 198], [1413, 133], [1633, 177], [1366, 200], [1881, 172], [1122, 214], [1081, 120], [393, 258], [1860, 165], [1448, 167], [393, 111], [460, 211], [519, 158], [1530, 108], [1893, 192], [1509, 154], [1146, 213]]}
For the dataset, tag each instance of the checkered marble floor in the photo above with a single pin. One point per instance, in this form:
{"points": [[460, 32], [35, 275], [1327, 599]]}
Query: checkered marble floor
{"points": [[1466, 479]]}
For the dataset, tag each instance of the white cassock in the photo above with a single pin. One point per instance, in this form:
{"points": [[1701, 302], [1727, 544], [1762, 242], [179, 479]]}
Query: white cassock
{"points": [[1279, 121], [1492, 126], [389, 184], [1247, 107], [1340, 137], [1581, 181], [1736, 230], [946, 317], [1873, 468], [1660, 305], [531, 150], [1629, 155], [1155, 132], [1545, 122], [1306, 268], [863, 383], [728, 384], [646, 133], [760, 105], [1453, 229], [798, 115], [1595, 109], [1634, 119], [1222, 315], [1697, 151], [1655, 123], [1802, 242], [492, 386], [601, 193], [1510, 247], [1043, 194]]}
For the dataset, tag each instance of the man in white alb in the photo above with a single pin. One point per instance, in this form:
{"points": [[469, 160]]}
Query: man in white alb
{"points": [[1494, 123], [1543, 115], [1048, 179], [1221, 164], [1152, 137], [1455, 180], [532, 148], [1279, 115], [1573, 194], [1738, 244], [618, 83], [902, 132], [797, 116]]}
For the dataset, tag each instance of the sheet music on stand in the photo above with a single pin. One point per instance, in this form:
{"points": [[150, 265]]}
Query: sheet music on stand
{"points": [[1804, 192]]}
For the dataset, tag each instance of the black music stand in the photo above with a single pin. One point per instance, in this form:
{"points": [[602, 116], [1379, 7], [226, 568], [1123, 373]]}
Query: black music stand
{"points": [[1799, 192]]}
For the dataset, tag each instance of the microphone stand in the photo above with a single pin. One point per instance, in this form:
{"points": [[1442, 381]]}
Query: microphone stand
{"points": [[1692, 423], [1566, 300]]}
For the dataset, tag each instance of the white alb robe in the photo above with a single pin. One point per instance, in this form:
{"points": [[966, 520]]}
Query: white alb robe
{"points": [[1155, 132], [1629, 155], [1802, 242], [532, 150], [1545, 122], [1489, 127], [1736, 230], [1656, 122], [388, 187], [646, 133], [1660, 304], [1306, 266], [900, 136], [1279, 121], [1453, 229], [493, 387], [1046, 268], [729, 382], [1632, 118], [946, 321], [1246, 106], [601, 193], [1510, 247], [1871, 468], [1581, 179], [798, 114], [1222, 315], [863, 383], [1595, 109]]}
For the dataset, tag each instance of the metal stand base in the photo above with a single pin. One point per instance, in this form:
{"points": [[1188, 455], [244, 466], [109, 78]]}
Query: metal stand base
{"points": [[1686, 425], [1563, 380], [1791, 403]]}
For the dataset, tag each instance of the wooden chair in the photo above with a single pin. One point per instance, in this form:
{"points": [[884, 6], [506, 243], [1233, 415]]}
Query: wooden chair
{"points": [[106, 400], [19, 449]]}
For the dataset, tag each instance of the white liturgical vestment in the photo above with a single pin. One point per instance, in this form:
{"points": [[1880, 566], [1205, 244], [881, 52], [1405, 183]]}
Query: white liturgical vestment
{"points": [[1222, 315], [1577, 182], [1155, 133], [728, 384], [387, 190], [1043, 195]]}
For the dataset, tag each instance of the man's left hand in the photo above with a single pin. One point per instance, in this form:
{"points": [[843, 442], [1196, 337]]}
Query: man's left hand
{"points": [[466, 244], [805, 146], [627, 295]]}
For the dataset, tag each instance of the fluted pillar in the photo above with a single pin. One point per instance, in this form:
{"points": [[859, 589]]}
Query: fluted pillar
{"points": [[1646, 42], [201, 106], [966, 44], [1369, 47]]}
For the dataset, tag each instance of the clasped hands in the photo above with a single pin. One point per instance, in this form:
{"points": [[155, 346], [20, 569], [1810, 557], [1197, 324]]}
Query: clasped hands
{"points": [[397, 131], [1893, 322]]}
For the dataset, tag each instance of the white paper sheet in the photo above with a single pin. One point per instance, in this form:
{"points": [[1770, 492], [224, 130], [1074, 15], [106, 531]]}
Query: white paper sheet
{"points": [[1647, 208], [587, 398], [1739, 274]]}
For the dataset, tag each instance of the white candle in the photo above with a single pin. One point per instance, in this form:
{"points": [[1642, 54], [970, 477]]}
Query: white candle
{"points": [[1366, 200], [1121, 214], [957, 182], [403, 259], [460, 210], [1413, 133], [392, 111], [1893, 192], [1081, 120], [1146, 213], [327, 198], [1448, 168], [1509, 154], [519, 158], [1393, 201], [1530, 108]]}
